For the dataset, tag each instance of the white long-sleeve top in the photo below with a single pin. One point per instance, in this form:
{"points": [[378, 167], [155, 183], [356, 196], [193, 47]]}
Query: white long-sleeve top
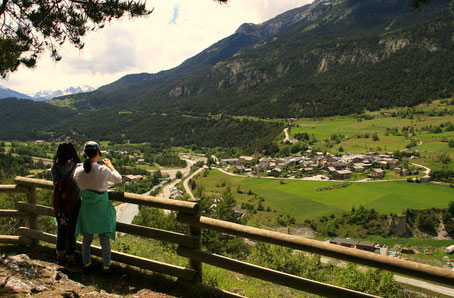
{"points": [[97, 178]]}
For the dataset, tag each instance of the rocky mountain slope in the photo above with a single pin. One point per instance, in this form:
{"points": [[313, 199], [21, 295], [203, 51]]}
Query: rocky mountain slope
{"points": [[332, 57]]}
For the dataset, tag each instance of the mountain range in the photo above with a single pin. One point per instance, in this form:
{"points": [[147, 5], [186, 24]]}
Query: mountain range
{"points": [[328, 58], [44, 94], [6, 92], [50, 94]]}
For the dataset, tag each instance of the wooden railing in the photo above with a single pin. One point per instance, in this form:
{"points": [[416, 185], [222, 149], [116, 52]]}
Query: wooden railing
{"points": [[189, 245]]}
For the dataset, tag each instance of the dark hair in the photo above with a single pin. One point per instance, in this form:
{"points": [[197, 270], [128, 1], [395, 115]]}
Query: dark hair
{"points": [[89, 153], [66, 152]]}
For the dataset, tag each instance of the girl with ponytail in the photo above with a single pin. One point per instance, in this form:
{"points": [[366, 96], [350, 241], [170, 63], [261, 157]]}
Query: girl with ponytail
{"points": [[96, 215]]}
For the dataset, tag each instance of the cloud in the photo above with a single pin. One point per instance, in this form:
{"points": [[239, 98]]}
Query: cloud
{"points": [[148, 44], [176, 12], [115, 52]]}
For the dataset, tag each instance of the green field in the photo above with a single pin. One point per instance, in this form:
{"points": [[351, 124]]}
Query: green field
{"points": [[301, 200], [350, 127]]}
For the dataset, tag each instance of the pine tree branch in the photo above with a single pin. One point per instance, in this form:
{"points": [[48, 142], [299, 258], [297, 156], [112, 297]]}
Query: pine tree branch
{"points": [[3, 7]]}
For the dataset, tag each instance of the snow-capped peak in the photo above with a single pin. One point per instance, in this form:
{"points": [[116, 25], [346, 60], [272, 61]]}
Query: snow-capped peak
{"points": [[49, 94]]}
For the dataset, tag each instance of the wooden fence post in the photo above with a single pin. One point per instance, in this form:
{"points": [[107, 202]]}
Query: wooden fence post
{"points": [[32, 220], [196, 232]]}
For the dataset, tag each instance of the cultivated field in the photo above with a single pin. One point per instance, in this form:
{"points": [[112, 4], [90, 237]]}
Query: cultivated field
{"points": [[304, 199]]}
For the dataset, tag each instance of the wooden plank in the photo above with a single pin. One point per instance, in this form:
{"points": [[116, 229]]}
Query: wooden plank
{"points": [[180, 272], [270, 275], [196, 232], [180, 206], [34, 183], [15, 240], [35, 209], [32, 220], [163, 235], [163, 203], [14, 213], [13, 188], [418, 270]]}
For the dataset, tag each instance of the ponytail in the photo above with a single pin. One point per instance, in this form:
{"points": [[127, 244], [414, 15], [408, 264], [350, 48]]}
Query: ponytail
{"points": [[87, 165]]}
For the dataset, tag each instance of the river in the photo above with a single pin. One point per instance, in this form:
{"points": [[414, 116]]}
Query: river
{"points": [[126, 211]]}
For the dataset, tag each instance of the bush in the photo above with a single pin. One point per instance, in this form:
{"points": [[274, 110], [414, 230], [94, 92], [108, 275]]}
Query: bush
{"points": [[427, 221]]}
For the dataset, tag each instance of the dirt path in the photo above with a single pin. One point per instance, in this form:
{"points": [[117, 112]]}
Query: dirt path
{"points": [[289, 138], [424, 167]]}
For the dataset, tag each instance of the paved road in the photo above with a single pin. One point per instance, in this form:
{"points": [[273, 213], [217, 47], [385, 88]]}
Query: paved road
{"points": [[172, 172], [165, 193], [425, 285], [405, 280], [126, 212], [186, 182]]}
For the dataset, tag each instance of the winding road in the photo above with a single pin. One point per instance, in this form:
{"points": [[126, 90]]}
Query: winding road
{"points": [[186, 181], [126, 211]]}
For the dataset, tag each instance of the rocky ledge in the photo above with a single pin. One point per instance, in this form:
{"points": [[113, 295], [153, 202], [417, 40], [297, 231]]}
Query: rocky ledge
{"points": [[21, 276]]}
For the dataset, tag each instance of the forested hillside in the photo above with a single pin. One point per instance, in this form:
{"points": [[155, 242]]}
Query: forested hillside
{"points": [[23, 119], [338, 57], [329, 58]]}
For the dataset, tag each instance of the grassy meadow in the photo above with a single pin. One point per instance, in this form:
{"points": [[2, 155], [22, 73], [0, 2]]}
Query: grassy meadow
{"points": [[304, 199], [430, 145]]}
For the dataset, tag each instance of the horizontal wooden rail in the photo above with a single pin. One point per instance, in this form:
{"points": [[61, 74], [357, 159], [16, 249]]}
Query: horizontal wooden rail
{"points": [[14, 213], [13, 188], [175, 205], [423, 271], [180, 272], [32, 182], [270, 275], [163, 235], [34, 209], [15, 240]]}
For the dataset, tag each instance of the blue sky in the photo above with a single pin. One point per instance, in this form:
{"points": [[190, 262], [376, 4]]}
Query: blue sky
{"points": [[174, 32]]}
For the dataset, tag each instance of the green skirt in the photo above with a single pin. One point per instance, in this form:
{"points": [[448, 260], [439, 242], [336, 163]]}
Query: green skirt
{"points": [[96, 215]]}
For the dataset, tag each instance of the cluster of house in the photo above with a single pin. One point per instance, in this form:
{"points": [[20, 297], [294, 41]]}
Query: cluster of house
{"points": [[363, 245], [337, 167], [175, 193]]}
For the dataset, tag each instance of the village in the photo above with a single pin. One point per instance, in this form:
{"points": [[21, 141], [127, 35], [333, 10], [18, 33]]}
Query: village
{"points": [[321, 166]]}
